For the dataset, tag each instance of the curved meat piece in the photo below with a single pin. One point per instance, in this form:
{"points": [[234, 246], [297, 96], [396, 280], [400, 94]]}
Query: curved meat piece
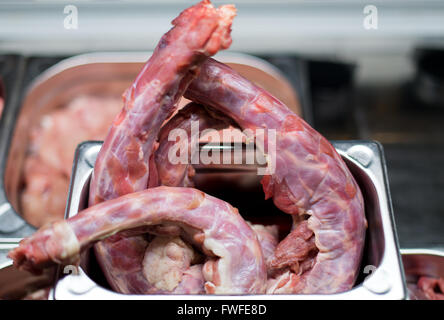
{"points": [[235, 263], [44, 198], [122, 165], [178, 174], [59, 132], [432, 288], [309, 180]]}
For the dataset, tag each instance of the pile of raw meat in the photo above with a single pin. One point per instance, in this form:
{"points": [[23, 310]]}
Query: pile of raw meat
{"points": [[48, 165], [427, 288], [153, 232]]}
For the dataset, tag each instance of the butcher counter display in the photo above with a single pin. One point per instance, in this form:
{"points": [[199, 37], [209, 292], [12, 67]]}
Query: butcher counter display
{"points": [[149, 210], [199, 32]]}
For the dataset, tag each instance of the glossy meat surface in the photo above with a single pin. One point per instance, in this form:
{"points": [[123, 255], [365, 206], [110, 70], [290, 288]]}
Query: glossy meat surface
{"points": [[431, 288], [310, 180], [170, 262], [123, 164], [121, 167], [234, 265], [180, 174]]}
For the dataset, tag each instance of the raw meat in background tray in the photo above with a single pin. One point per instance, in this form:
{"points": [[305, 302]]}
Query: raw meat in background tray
{"points": [[427, 288], [52, 145]]}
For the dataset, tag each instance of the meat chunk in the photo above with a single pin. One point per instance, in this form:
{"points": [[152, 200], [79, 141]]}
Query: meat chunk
{"points": [[432, 288], [234, 264], [305, 176], [44, 197], [84, 118], [166, 260], [53, 142]]}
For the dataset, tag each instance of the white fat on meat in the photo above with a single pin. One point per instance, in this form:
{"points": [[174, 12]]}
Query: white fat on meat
{"points": [[166, 260]]}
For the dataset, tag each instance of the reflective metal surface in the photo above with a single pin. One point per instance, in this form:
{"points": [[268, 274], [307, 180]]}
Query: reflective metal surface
{"points": [[421, 263]]}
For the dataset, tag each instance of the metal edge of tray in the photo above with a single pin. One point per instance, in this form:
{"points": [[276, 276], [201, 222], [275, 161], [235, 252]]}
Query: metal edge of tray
{"points": [[386, 282], [423, 251], [12, 225], [430, 262], [141, 57]]}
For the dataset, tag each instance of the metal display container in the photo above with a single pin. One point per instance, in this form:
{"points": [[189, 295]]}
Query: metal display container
{"points": [[381, 274]]}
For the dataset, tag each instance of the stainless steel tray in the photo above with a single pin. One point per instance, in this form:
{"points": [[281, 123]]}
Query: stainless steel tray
{"points": [[381, 275], [97, 73]]}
